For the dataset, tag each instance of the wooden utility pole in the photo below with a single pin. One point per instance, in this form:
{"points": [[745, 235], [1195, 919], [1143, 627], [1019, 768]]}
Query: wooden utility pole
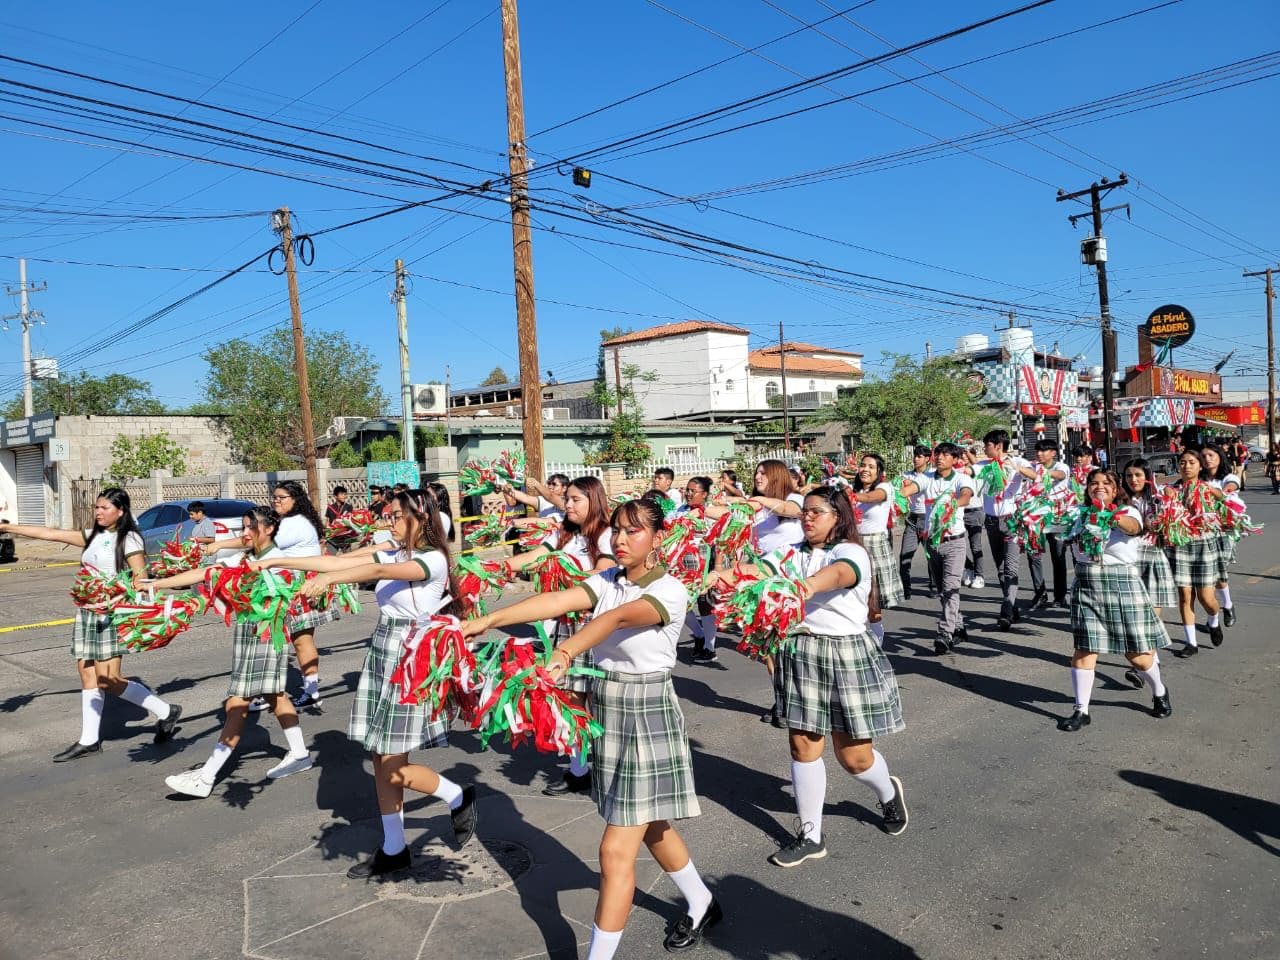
{"points": [[1271, 360], [522, 245], [406, 388], [617, 378], [786, 418], [281, 224]]}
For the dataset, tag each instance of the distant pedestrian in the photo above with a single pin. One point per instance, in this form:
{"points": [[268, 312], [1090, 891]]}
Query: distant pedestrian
{"points": [[204, 532], [663, 480], [1273, 469], [339, 507]]}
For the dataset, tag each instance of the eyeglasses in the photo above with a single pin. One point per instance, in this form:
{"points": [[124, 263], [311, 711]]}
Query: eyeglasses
{"points": [[276, 498], [397, 514], [814, 511]]}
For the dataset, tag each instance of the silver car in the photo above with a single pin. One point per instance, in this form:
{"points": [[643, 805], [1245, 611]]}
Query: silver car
{"points": [[160, 523]]}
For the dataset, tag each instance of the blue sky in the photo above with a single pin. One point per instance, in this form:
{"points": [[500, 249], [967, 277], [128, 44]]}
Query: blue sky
{"points": [[980, 222]]}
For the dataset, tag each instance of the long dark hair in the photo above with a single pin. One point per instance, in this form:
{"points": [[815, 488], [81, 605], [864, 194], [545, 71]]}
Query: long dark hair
{"points": [[1224, 465], [302, 505], [846, 528], [1149, 489], [640, 512], [857, 480], [126, 525], [1122, 492], [440, 493], [263, 515], [426, 532], [597, 518]]}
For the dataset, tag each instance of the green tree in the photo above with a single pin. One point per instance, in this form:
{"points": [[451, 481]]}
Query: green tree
{"points": [[255, 383], [383, 450], [915, 401], [82, 394], [433, 436], [343, 456], [496, 377], [133, 458]]}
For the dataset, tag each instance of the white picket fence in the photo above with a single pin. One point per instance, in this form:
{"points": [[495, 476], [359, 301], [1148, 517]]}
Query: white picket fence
{"points": [[572, 470]]}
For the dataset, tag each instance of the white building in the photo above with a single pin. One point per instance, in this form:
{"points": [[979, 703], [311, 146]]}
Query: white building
{"points": [[705, 369]]}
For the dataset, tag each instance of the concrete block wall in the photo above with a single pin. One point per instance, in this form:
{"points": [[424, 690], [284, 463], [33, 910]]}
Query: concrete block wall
{"points": [[207, 448]]}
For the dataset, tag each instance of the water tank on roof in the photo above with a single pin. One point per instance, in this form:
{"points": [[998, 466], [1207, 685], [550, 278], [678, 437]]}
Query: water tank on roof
{"points": [[1019, 343], [1095, 373], [971, 343]]}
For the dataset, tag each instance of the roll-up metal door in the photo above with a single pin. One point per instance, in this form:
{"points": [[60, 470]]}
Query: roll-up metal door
{"points": [[29, 463]]}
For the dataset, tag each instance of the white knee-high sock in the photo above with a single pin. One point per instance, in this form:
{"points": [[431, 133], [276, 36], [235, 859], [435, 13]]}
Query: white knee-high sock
{"points": [[449, 792], [91, 702], [877, 778], [809, 781], [311, 684], [877, 630], [1224, 597], [221, 754], [1189, 634], [694, 891], [140, 696], [1152, 676], [393, 832], [1213, 620], [604, 943], [709, 632], [1082, 683], [293, 737], [579, 766]]}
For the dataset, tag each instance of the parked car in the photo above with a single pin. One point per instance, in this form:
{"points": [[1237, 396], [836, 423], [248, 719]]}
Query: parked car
{"points": [[160, 523], [1164, 466]]}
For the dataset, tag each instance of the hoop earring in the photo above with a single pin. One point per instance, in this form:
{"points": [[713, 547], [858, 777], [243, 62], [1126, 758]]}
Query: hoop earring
{"points": [[651, 559]]}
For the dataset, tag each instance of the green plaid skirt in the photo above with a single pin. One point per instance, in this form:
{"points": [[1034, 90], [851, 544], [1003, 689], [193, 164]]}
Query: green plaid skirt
{"points": [[641, 770], [94, 638], [1226, 556], [1111, 611], [838, 684], [1196, 563], [256, 668], [311, 619], [378, 720], [884, 568], [559, 632], [1157, 575]]}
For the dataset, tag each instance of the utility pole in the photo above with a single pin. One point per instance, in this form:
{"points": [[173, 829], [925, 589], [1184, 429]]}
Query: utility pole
{"points": [[786, 418], [617, 378], [448, 422], [522, 244], [406, 388], [1271, 359], [27, 316], [1094, 251], [282, 225]]}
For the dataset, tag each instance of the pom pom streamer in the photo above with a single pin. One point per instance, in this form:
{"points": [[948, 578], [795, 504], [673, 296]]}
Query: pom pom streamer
{"points": [[99, 592], [358, 527], [558, 570], [437, 668], [940, 517], [1091, 528], [684, 554], [1233, 520], [177, 556], [734, 533], [478, 579], [993, 478], [489, 532], [477, 478], [537, 532], [152, 624], [765, 609]]}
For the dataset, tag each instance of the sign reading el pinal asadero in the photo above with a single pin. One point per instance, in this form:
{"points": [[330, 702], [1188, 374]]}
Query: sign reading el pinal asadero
{"points": [[1170, 324]]}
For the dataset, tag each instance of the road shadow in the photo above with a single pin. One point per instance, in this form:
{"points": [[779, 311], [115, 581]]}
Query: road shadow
{"points": [[698, 692], [720, 781], [1248, 817]]}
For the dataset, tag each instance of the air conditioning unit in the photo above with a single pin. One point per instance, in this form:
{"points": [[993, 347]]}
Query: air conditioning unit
{"points": [[429, 399], [555, 413]]}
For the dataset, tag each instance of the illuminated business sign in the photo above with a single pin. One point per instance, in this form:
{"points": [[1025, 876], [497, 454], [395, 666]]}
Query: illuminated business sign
{"points": [[1188, 383], [1239, 416], [1170, 324]]}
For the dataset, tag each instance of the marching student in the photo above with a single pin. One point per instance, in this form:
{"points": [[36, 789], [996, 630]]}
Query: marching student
{"points": [[729, 484], [1056, 477], [300, 535], [1195, 564], [586, 537], [700, 620], [835, 681], [946, 559], [257, 670], [112, 545], [642, 772], [974, 521], [413, 582], [1110, 608], [663, 479], [873, 499], [915, 533], [440, 493], [997, 507], [546, 499], [1221, 477], [1153, 562]]}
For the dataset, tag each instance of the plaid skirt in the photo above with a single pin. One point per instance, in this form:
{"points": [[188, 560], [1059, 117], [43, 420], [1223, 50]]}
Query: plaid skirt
{"points": [[256, 668], [1111, 611], [561, 631], [302, 622], [378, 720], [838, 684], [1157, 575], [641, 769], [884, 568], [94, 638], [1226, 556], [1196, 563]]}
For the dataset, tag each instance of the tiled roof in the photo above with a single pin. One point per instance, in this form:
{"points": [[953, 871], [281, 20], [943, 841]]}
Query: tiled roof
{"points": [[674, 330], [796, 347], [763, 360]]}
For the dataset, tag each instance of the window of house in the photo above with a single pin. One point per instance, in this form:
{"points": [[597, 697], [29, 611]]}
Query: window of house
{"points": [[728, 385], [771, 390], [686, 452], [813, 385]]}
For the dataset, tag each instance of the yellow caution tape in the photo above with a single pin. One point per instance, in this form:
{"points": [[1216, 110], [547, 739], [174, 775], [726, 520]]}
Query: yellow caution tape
{"points": [[33, 626]]}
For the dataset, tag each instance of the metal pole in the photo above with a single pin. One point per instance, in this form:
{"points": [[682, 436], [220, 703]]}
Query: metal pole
{"points": [[782, 362], [448, 422], [1271, 359], [284, 227], [406, 388], [522, 242]]}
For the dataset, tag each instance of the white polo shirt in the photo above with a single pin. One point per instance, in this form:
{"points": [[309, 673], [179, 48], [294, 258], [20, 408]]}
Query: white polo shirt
{"points": [[915, 502], [101, 552], [639, 649], [296, 537], [576, 546], [874, 517], [410, 599], [773, 531], [1121, 548], [935, 487], [548, 509], [832, 613]]}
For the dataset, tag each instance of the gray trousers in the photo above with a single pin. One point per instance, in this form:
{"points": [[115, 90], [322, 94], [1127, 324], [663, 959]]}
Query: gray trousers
{"points": [[946, 564], [973, 523], [1004, 556], [915, 535]]}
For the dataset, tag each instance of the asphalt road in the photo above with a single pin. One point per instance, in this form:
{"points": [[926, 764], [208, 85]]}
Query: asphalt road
{"points": [[1134, 838]]}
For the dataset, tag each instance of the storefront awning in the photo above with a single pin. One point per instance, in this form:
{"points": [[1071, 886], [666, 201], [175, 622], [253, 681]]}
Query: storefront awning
{"points": [[1215, 424]]}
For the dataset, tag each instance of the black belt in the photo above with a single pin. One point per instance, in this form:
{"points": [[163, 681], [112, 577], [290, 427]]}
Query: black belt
{"points": [[951, 536]]}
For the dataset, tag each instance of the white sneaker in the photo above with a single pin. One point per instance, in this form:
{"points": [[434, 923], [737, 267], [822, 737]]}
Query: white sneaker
{"points": [[978, 583], [189, 782], [257, 704], [290, 765], [966, 579]]}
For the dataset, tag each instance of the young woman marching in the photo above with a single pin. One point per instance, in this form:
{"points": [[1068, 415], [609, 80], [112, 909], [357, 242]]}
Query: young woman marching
{"points": [[585, 536], [257, 670], [1222, 478], [112, 545], [835, 680], [642, 776], [1195, 564], [874, 499], [300, 535], [1110, 609], [700, 620], [729, 484], [1153, 562], [413, 581], [440, 493], [915, 533]]}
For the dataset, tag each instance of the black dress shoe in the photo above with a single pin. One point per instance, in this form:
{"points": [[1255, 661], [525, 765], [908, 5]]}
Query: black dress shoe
{"points": [[166, 728], [1229, 617], [1188, 650], [1074, 722], [1161, 707], [76, 751], [1215, 635], [685, 936], [772, 718], [942, 645], [1016, 613], [569, 785], [962, 636], [1040, 598], [465, 817], [381, 864], [1133, 678]]}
